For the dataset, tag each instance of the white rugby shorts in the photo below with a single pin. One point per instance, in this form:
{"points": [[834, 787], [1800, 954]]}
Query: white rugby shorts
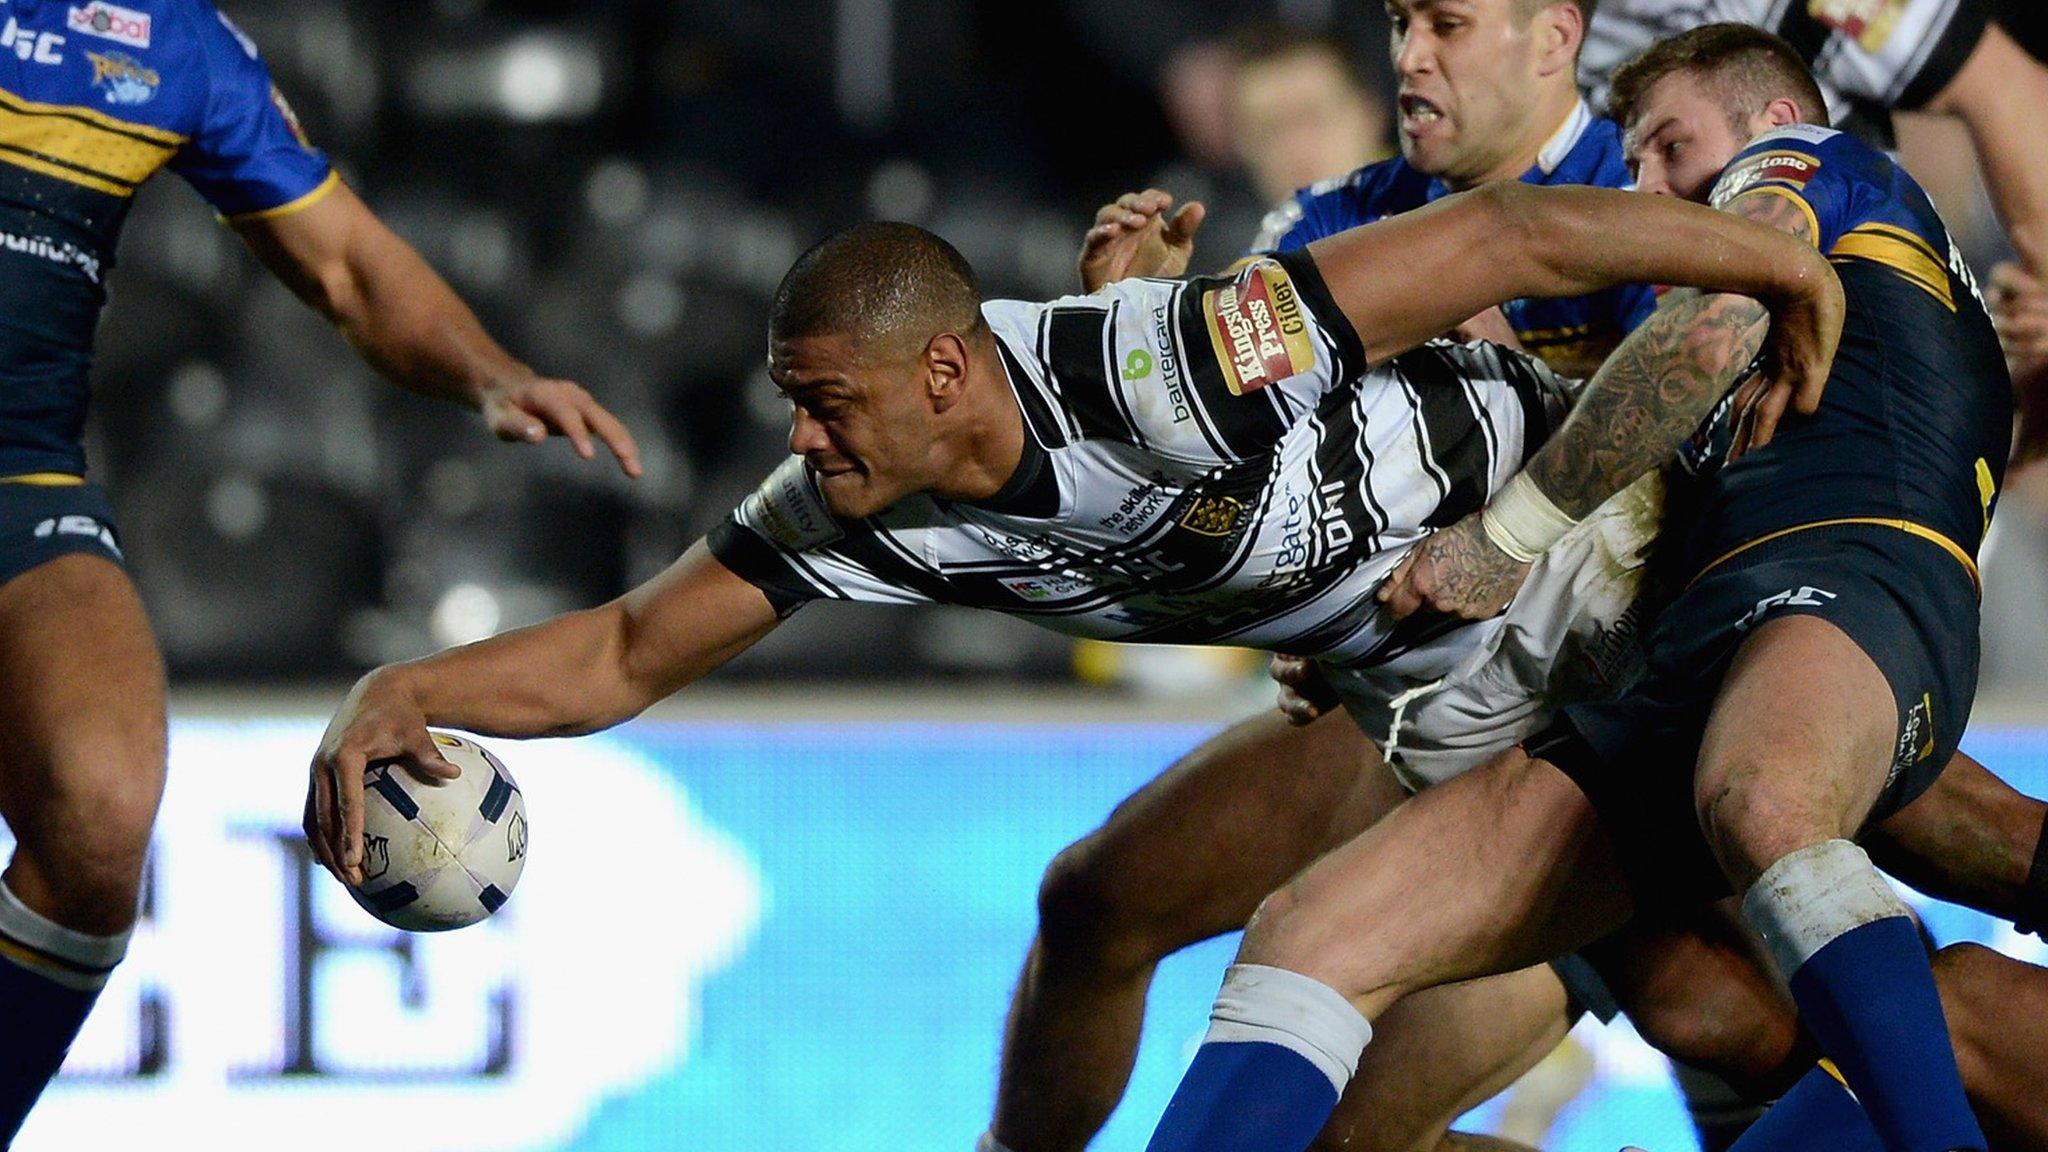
{"points": [[1572, 633]]}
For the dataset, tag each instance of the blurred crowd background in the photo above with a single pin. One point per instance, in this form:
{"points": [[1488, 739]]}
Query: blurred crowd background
{"points": [[617, 187]]}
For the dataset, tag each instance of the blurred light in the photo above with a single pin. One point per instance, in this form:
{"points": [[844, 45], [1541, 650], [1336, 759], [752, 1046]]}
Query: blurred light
{"points": [[236, 508], [900, 190], [650, 305], [616, 192], [452, 488], [480, 248], [543, 77], [198, 394], [466, 613]]}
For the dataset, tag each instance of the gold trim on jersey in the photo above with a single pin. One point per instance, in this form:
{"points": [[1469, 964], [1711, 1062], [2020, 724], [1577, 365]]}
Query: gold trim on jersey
{"points": [[44, 479], [82, 147], [1901, 251], [1907, 526], [293, 207]]}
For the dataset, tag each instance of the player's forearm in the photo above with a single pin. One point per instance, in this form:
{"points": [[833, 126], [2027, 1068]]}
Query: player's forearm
{"points": [[407, 322], [1573, 241], [1999, 95], [563, 677], [1970, 839], [1648, 397]]}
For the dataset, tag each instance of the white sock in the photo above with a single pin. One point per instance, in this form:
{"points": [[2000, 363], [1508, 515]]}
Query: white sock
{"points": [[74, 959], [1807, 899], [989, 1143], [1262, 1005]]}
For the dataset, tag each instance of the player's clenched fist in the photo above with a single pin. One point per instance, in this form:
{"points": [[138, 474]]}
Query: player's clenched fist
{"points": [[1458, 572], [379, 721], [1135, 237]]}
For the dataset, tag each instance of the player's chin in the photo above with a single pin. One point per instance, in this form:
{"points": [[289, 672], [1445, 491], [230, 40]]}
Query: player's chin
{"points": [[852, 494]]}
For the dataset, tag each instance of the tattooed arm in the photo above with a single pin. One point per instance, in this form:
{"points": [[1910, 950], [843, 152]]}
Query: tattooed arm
{"points": [[1645, 400]]}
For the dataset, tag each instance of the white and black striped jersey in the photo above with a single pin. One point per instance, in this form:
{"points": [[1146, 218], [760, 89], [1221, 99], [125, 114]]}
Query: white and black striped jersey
{"points": [[1207, 461], [1870, 56]]}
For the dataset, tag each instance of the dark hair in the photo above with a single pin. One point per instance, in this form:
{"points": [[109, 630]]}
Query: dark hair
{"points": [[876, 281], [1745, 66]]}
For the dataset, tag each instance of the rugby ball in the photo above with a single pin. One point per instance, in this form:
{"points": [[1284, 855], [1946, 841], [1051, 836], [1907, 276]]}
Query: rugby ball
{"points": [[441, 854]]}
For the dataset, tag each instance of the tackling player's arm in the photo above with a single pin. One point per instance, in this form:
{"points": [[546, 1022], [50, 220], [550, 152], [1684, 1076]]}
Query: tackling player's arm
{"points": [[579, 672], [413, 329], [1999, 94], [1649, 395]]}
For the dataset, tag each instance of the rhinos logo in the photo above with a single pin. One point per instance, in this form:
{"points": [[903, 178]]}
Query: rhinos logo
{"points": [[123, 79]]}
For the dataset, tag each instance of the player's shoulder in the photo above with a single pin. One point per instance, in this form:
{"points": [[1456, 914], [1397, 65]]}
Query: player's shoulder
{"points": [[1792, 158]]}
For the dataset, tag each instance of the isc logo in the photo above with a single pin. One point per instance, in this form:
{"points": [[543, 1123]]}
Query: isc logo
{"points": [[40, 47], [78, 526], [1804, 597]]}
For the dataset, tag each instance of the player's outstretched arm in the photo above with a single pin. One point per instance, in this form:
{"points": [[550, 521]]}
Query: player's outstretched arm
{"points": [[1412, 277], [577, 673], [1998, 94], [1642, 403], [414, 330]]}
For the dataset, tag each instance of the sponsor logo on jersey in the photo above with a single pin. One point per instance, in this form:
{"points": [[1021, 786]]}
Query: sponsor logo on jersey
{"points": [[1213, 516], [30, 45], [291, 118], [55, 251], [110, 22], [1791, 169], [1868, 22], [123, 79], [789, 510], [1043, 589], [1256, 328], [1916, 737]]}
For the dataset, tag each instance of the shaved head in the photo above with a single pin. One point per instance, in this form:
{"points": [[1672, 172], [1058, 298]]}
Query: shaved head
{"points": [[884, 286]]}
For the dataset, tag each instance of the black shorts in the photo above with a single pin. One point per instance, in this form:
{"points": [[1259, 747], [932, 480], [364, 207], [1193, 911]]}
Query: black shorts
{"points": [[1907, 602], [39, 523]]}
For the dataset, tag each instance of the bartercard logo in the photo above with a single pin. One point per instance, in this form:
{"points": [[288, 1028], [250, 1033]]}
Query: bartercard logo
{"points": [[110, 22]]}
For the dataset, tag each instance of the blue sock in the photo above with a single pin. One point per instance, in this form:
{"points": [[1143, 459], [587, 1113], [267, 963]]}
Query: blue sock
{"points": [[1817, 1115], [1860, 977], [49, 978], [1281, 1046]]}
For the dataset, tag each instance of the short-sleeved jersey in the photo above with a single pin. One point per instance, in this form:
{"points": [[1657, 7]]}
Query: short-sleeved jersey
{"points": [[1569, 332], [1870, 56], [1916, 421], [95, 98], [1206, 462]]}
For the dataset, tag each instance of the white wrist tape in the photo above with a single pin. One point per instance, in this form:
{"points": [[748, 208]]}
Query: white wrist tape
{"points": [[1523, 522]]}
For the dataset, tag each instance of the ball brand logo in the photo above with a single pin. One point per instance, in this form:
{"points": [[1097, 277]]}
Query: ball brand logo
{"points": [[110, 22], [515, 838], [376, 856]]}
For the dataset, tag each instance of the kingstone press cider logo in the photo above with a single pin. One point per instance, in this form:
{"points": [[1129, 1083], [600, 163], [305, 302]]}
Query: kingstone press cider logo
{"points": [[254, 985]]}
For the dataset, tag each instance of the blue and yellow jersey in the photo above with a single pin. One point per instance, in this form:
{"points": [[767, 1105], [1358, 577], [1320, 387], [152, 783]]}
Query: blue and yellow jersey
{"points": [[95, 98], [1572, 334], [1915, 424]]}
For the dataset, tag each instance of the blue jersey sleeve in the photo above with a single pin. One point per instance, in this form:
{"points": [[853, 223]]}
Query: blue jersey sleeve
{"points": [[1307, 216], [249, 156], [1817, 168]]}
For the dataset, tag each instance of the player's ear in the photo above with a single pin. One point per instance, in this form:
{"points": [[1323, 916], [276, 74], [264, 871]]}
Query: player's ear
{"points": [[1779, 113], [945, 370], [1558, 28]]}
